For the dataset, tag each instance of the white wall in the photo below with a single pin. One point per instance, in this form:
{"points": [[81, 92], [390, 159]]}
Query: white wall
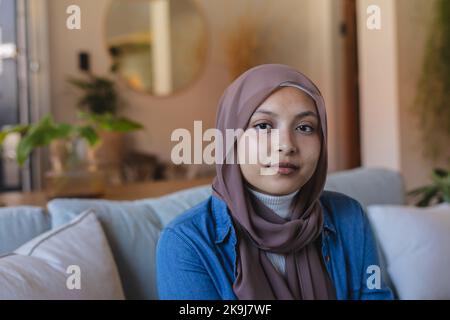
{"points": [[380, 131]]}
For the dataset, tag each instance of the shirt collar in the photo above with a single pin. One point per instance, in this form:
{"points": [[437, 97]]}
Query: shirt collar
{"points": [[222, 219], [327, 222]]}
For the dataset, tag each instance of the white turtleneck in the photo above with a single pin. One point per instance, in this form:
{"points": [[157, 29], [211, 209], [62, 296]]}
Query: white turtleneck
{"points": [[280, 205]]}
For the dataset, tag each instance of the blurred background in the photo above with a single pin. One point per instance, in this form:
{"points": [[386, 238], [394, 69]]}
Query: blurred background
{"points": [[90, 91]]}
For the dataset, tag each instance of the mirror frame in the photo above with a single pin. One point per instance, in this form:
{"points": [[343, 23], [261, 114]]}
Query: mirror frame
{"points": [[176, 92]]}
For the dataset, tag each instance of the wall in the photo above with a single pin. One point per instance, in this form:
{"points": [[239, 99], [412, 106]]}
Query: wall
{"points": [[413, 19], [390, 63], [303, 33], [380, 133]]}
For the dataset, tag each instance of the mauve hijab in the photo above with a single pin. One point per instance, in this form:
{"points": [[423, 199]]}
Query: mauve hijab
{"points": [[257, 227]]}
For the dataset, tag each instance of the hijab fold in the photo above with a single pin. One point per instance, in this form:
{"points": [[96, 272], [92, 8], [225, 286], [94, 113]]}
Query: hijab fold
{"points": [[257, 227]]}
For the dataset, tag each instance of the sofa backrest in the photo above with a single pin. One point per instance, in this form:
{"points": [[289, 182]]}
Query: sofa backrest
{"points": [[18, 225], [369, 185], [132, 227]]}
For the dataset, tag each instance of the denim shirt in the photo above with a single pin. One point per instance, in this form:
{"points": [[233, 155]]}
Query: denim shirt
{"points": [[196, 252]]}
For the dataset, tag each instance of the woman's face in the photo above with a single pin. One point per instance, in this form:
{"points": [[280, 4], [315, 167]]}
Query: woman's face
{"points": [[294, 114]]}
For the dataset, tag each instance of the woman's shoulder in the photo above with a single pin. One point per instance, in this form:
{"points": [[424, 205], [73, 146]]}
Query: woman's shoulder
{"points": [[341, 209], [194, 221], [339, 199]]}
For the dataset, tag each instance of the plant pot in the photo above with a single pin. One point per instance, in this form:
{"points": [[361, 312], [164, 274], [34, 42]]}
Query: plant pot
{"points": [[64, 155], [70, 174], [108, 156], [109, 151], [58, 155]]}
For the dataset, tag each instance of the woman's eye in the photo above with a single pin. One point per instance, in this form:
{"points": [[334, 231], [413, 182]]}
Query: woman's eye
{"points": [[263, 126], [305, 128]]}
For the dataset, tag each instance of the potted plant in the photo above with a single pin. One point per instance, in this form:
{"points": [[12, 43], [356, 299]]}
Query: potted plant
{"points": [[98, 106], [46, 132], [61, 138], [437, 192], [98, 134]]}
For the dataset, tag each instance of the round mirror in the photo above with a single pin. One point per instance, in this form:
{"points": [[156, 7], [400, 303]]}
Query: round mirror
{"points": [[156, 46]]}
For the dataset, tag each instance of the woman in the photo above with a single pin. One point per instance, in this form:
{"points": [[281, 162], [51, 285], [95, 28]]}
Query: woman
{"points": [[271, 236]]}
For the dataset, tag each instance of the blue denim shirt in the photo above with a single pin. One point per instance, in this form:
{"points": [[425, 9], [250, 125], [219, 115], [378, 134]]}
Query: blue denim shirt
{"points": [[196, 252]]}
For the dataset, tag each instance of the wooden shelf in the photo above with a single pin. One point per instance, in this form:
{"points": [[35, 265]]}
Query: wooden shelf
{"points": [[132, 191]]}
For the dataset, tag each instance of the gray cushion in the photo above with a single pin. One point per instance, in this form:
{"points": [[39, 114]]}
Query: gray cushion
{"points": [[40, 269], [18, 225], [132, 230], [369, 185], [170, 206]]}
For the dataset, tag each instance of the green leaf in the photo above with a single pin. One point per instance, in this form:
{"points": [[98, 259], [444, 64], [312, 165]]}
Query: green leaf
{"points": [[439, 176], [109, 122], [417, 191], [121, 125], [428, 196], [61, 131], [41, 134], [15, 129], [89, 133], [99, 94], [24, 149], [3, 135], [439, 172], [46, 130]]}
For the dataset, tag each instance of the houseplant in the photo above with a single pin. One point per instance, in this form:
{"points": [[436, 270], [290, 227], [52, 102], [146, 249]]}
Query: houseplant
{"points": [[98, 106], [98, 134], [437, 192], [70, 173], [45, 132]]}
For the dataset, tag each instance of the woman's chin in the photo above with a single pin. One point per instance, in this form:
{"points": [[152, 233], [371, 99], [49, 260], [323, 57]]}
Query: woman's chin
{"points": [[279, 190]]}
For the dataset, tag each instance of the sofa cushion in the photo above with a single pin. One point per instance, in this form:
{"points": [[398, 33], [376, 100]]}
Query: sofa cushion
{"points": [[71, 262], [369, 185], [132, 229], [416, 244], [21, 224], [169, 206]]}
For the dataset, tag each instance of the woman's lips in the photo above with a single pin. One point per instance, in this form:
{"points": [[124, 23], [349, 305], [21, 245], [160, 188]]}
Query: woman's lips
{"points": [[286, 171], [286, 168]]}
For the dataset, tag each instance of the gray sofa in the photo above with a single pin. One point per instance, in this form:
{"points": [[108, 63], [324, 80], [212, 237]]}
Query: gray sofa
{"points": [[133, 227]]}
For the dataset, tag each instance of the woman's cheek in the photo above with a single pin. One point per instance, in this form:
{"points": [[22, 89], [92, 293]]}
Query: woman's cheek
{"points": [[253, 151], [312, 161]]}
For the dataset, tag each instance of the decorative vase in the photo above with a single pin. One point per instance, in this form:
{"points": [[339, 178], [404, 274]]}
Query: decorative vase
{"points": [[70, 174], [108, 155]]}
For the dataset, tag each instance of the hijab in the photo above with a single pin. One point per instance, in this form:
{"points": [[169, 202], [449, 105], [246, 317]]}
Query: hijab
{"points": [[257, 227]]}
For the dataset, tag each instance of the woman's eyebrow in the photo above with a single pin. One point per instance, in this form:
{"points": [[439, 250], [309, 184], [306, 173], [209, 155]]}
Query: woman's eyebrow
{"points": [[299, 115]]}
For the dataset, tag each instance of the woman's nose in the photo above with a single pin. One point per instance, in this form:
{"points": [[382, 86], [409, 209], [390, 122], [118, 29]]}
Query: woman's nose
{"points": [[287, 149], [286, 144]]}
